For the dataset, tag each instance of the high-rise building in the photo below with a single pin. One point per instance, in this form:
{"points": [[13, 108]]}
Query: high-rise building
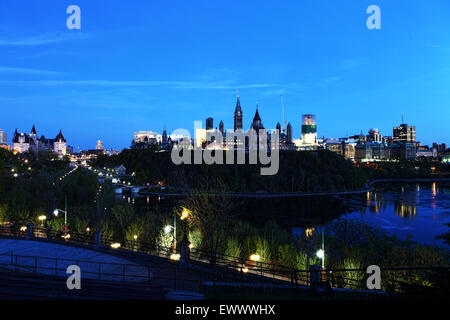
{"points": [[309, 129], [209, 123], [405, 134], [374, 136], [238, 115]]}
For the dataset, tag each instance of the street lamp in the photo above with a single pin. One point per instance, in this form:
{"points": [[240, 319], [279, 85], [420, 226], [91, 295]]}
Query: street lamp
{"points": [[255, 257], [184, 214], [321, 252], [168, 228], [56, 211], [42, 218]]}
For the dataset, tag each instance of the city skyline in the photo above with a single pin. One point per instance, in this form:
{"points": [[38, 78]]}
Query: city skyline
{"points": [[142, 66]]}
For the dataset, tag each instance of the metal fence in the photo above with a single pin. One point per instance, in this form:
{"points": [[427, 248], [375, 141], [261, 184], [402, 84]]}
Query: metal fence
{"points": [[244, 272], [104, 271]]}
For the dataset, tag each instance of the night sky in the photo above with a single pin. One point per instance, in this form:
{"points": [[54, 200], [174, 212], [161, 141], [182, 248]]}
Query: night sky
{"points": [[140, 65]]}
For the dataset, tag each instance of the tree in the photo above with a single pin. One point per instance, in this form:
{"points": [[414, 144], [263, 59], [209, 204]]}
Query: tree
{"points": [[211, 214]]}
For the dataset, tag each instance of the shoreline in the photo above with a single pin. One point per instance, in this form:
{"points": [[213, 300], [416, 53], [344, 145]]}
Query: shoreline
{"points": [[369, 187]]}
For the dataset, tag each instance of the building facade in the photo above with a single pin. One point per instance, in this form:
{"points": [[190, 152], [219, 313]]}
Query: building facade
{"points": [[404, 134], [309, 130], [23, 142]]}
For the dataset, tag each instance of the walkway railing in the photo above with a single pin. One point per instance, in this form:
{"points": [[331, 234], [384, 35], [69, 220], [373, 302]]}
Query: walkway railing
{"points": [[104, 271], [393, 280]]}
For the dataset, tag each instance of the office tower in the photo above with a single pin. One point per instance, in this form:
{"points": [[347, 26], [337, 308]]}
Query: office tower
{"points": [[309, 129], [221, 127], [405, 134]]}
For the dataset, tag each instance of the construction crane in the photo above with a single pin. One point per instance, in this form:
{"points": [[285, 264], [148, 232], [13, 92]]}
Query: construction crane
{"points": [[282, 111]]}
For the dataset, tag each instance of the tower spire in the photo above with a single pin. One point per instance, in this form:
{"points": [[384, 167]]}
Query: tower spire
{"points": [[238, 114]]}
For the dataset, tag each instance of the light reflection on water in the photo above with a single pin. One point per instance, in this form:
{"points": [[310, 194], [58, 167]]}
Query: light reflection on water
{"points": [[420, 211], [417, 210]]}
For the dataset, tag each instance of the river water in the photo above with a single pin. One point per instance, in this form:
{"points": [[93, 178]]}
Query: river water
{"points": [[419, 211]]}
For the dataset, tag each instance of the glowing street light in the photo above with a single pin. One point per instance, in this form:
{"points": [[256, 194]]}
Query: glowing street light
{"points": [[184, 214], [115, 245], [255, 257], [167, 229], [56, 211], [175, 256], [320, 254], [42, 219]]}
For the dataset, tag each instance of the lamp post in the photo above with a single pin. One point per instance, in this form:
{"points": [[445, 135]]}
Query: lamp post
{"points": [[167, 229], [63, 211], [323, 249], [184, 216], [174, 232], [321, 252]]}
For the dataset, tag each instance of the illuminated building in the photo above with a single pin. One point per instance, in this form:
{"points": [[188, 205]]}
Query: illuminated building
{"points": [[404, 134], [22, 142], [309, 130], [3, 137], [145, 139], [3, 140], [374, 136], [59, 144], [404, 151], [446, 157], [99, 145]]}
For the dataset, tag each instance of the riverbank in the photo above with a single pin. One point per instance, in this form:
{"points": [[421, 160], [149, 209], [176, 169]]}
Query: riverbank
{"points": [[370, 187]]}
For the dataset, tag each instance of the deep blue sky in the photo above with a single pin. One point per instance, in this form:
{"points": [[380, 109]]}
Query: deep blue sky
{"points": [[137, 65]]}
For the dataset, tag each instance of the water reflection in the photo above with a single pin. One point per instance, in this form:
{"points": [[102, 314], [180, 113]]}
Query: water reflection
{"points": [[417, 210], [309, 232], [402, 209]]}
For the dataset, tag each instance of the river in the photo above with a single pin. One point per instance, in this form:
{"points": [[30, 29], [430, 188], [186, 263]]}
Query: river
{"points": [[419, 211]]}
